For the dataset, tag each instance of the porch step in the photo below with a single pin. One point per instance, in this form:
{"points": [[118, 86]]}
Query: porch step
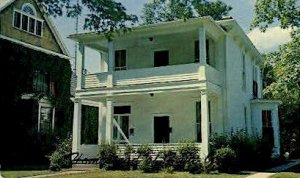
{"points": [[84, 167]]}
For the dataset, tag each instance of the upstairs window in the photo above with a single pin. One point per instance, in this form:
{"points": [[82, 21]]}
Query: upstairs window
{"points": [[26, 20], [197, 52], [120, 60], [255, 85], [161, 58], [40, 82], [244, 71]]}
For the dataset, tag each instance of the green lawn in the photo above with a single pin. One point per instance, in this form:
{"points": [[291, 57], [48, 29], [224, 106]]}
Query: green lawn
{"points": [[118, 174], [17, 174], [137, 174], [286, 175]]}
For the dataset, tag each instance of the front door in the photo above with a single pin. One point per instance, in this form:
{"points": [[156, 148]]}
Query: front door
{"points": [[161, 129]]}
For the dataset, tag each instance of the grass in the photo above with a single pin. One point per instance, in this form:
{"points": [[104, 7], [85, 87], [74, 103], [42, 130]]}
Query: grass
{"points": [[17, 174], [286, 175], [117, 174], [137, 174]]}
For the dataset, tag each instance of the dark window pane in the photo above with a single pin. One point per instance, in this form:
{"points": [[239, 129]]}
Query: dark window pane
{"points": [[25, 22], [161, 58], [207, 52], [197, 53], [31, 25], [89, 126], [17, 20], [122, 110], [39, 28], [125, 126], [120, 60], [198, 122]]}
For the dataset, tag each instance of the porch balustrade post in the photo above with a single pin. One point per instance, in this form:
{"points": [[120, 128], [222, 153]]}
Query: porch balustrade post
{"points": [[202, 45], [204, 123], [76, 126], [79, 65], [109, 120]]}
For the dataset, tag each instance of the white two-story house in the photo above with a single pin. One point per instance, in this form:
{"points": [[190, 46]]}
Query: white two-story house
{"points": [[173, 81]]}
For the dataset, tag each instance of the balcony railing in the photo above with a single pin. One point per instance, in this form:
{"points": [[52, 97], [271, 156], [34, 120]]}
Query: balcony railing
{"points": [[174, 73]]}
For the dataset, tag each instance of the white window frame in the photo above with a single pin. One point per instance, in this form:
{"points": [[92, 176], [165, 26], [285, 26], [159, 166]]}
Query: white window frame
{"points": [[120, 138], [42, 104], [31, 6], [27, 29]]}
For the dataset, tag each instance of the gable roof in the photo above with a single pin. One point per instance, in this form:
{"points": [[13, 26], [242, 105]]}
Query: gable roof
{"points": [[5, 3]]}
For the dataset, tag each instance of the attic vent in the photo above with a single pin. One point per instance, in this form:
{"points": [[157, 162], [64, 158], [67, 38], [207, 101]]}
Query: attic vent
{"points": [[29, 9]]}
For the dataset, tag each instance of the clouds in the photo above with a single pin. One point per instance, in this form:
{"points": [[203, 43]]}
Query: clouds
{"points": [[269, 40]]}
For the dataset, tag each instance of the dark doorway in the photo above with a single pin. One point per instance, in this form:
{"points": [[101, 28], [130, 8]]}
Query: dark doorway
{"points": [[161, 129], [267, 130], [161, 58]]}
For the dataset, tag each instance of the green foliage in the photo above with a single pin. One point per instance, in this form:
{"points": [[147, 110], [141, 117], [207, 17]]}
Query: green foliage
{"points": [[251, 152], [61, 157], [89, 127], [188, 156], [287, 12], [169, 159], [282, 82], [21, 115], [104, 16], [169, 10], [225, 160], [108, 157]]}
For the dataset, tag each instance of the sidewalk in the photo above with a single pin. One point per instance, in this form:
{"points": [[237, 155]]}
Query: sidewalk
{"points": [[274, 170]]}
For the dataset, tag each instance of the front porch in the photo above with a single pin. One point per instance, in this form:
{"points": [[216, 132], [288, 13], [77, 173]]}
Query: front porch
{"points": [[160, 119]]}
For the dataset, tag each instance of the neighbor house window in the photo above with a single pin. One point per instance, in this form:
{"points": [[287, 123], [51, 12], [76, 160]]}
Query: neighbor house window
{"points": [[120, 60], [26, 19], [46, 120], [198, 122], [121, 116], [40, 82], [267, 129], [243, 72], [161, 58]]}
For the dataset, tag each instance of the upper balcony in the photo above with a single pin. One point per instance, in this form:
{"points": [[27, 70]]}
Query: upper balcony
{"points": [[166, 74], [158, 54]]}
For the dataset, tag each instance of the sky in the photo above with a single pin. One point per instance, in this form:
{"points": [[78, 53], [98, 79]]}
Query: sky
{"points": [[242, 12]]}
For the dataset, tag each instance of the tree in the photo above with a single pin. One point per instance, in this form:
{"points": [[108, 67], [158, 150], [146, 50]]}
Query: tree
{"points": [[282, 82], [105, 16], [169, 10], [287, 12]]}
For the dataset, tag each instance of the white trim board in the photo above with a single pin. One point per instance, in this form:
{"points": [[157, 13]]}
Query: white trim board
{"points": [[34, 47]]}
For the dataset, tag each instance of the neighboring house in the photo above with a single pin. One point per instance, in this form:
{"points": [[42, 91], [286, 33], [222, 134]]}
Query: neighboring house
{"points": [[173, 81], [35, 71]]}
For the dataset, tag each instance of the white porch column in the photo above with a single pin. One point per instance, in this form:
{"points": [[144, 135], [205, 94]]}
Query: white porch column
{"points": [[79, 65], [204, 123], [111, 64], [202, 45], [76, 126], [109, 120], [101, 124], [275, 125]]}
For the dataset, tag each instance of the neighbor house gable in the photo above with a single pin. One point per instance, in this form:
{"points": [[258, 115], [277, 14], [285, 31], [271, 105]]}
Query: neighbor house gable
{"points": [[49, 40]]}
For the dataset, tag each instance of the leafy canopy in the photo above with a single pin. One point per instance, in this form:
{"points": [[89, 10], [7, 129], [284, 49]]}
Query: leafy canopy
{"points": [[169, 10], [105, 16], [286, 12]]}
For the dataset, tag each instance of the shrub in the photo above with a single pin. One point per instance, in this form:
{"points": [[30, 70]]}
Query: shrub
{"points": [[225, 160], [61, 157], [169, 158], [147, 164], [188, 153], [108, 157], [128, 163]]}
